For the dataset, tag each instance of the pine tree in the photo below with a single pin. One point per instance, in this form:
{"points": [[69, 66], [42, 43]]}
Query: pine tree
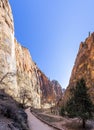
{"points": [[80, 104]]}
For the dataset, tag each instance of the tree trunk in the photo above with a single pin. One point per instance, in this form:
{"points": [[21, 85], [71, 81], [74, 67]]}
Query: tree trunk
{"points": [[84, 123]]}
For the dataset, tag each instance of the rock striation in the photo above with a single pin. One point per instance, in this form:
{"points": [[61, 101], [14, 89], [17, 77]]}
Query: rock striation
{"points": [[18, 72], [83, 67], [57, 90], [27, 77], [7, 48], [51, 91]]}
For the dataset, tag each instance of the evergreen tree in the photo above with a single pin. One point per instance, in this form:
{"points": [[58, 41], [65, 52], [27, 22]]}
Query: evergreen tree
{"points": [[80, 104]]}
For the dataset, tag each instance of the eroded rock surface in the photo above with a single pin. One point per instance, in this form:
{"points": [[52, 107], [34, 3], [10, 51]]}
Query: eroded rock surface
{"points": [[18, 71], [12, 117], [7, 48], [83, 67]]}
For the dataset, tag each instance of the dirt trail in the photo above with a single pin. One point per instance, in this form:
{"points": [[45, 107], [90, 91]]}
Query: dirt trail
{"points": [[36, 124]]}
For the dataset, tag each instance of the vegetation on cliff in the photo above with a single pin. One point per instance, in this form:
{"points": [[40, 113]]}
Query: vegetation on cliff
{"points": [[79, 105]]}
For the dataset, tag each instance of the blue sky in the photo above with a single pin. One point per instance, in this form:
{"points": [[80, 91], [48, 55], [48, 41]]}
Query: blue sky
{"points": [[52, 30]]}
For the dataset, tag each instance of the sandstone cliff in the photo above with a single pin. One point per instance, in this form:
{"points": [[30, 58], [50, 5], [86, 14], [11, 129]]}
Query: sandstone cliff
{"points": [[18, 71], [29, 77], [51, 90], [83, 67], [7, 48], [57, 90]]}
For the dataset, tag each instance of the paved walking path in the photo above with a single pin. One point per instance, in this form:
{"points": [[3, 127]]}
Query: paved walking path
{"points": [[36, 124]]}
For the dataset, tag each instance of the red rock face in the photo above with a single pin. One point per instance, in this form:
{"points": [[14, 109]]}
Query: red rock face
{"points": [[51, 90], [83, 67], [46, 88], [57, 90]]}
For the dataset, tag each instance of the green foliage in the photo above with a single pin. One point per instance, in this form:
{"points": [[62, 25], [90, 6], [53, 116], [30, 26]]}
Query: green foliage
{"points": [[62, 111], [80, 104]]}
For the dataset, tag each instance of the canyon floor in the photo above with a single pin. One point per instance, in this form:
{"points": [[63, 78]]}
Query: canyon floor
{"points": [[61, 122], [36, 124]]}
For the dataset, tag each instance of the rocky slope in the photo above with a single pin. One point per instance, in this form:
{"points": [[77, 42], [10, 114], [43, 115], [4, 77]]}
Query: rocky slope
{"points": [[83, 67], [12, 117], [19, 74]]}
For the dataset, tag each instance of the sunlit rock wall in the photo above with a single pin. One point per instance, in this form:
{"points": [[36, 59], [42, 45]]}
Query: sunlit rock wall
{"points": [[27, 77], [83, 67], [7, 48]]}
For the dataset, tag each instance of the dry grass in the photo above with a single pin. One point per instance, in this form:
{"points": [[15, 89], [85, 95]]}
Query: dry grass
{"points": [[66, 123], [49, 118], [76, 124]]}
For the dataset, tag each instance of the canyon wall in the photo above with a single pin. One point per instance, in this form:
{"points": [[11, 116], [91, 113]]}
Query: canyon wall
{"points": [[19, 75], [51, 90], [42, 92], [7, 49], [27, 77], [83, 67]]}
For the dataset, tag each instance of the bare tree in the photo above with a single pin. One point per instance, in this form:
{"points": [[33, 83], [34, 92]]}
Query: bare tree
{"points": [[24, 94], [25, 97], [6, 81]]}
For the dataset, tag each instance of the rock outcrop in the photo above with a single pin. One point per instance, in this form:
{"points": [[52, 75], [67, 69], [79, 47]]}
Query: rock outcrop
{"points": [[83, 67], [7, 48], [18, 72], [12, 117], [27, 77], [57, 90], [51, 91]]}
